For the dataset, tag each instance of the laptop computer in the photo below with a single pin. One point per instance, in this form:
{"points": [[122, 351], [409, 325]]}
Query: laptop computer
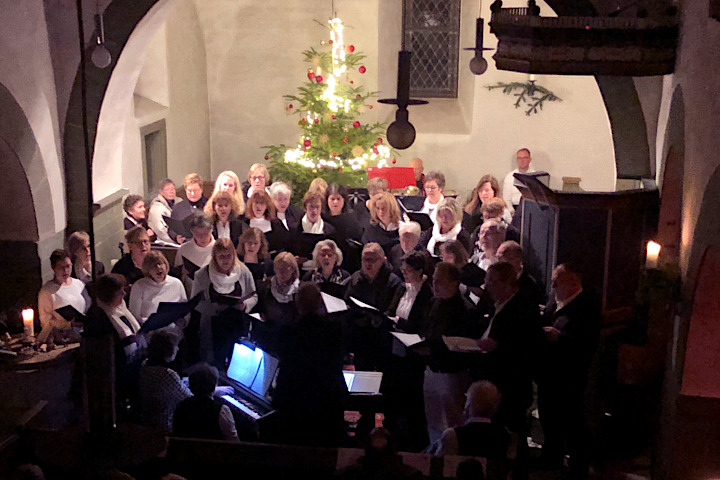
{"points": [[362, 382]]}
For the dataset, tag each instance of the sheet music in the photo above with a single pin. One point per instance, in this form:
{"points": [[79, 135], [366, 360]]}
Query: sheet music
{"points": [[256, 316], [363, 304], [461, 344], [333, 304], [408, 339]]}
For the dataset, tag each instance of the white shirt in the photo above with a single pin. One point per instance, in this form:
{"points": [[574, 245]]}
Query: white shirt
{"points": [[261, 223], [406, 301], [200, 256], [510, 192], [431, 208], [223, 231], [146, 295]]}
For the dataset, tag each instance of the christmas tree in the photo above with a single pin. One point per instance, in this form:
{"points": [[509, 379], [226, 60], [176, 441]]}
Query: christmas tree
{"points": [[335, 144]]}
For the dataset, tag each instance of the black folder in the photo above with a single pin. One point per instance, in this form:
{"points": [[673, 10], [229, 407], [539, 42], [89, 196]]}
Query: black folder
{"points": [[423, 219], [70, 313], [190, 267], [168, 312], [181, 227], [228, 299]]}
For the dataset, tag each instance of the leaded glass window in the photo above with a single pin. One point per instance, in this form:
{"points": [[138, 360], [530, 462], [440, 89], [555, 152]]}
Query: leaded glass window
{"points": [[432, 33]]}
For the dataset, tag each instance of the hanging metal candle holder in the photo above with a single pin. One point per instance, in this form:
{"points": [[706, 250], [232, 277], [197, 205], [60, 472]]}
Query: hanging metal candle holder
{"points": [[478, 64]]}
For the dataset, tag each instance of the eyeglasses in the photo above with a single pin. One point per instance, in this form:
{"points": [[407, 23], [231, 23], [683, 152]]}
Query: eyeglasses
{"points": [[257, 177], [432, 187], [142, 242]]}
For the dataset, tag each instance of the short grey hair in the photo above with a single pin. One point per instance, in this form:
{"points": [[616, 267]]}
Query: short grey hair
{"points": [[200, 220], [280, 187], [327, 244], [410, 227]]}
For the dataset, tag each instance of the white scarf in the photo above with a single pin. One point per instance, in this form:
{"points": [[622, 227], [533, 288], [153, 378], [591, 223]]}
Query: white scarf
{"points": [[222, 283], [317, 227], [442, 237], [262, 223], [283, 293], [122, 329]]}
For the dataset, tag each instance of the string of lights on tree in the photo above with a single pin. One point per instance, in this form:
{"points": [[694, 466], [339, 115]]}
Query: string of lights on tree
{"points": [[335, 143]]}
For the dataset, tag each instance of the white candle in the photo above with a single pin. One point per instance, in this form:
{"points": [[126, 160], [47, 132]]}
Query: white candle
{"points": [[532, 77], [653, 252], [28, 316]]}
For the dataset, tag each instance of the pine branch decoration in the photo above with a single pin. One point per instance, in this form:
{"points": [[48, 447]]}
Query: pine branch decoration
{"points": [[528, 94]]}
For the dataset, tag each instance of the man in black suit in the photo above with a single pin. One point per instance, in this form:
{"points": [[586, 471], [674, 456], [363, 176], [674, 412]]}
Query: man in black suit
{"points": [[509, 344], [511, 252], [572, 325]]}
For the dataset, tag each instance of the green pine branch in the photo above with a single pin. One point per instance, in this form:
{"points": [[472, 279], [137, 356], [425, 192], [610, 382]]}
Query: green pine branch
{"points": [[528, 94]]}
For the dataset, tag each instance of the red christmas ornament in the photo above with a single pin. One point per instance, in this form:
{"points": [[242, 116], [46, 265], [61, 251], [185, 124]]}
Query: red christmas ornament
{"points": [[362, 69], [317, 120], [375, 151], [267, 158], [330, 42], [358, 96], [334, 116], [334, 154], [356, 124], [290, 106], [307, 143], [345, 139], [375, 145], [350, 48], [370, 107], [393, 161], [379, 140], [340, 169], [319, 79], [311, 75], [351, 82]]}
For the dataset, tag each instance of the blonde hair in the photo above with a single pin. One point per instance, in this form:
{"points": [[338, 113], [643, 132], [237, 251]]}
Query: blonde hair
{"points": [[260, 197], [191, 178], [151, 259], [76, 241], [452, 206], [218, 197], [495, 207], [255, 168], [376, 185], [318, 185], [223, 244], [238, 188], [391, 203], [288, 258]]}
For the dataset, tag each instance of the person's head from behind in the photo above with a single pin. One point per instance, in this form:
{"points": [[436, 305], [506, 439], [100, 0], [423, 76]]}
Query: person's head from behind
{"points": [[308, 298], [376, 185], [380, 444], [201, 228], [318, 185], [110, 289], [434, 185], [470, 469], [493, 208], [372, 259], [134, 206], [409, 233], [28, 471], [511, 252], [193, 184], [454, 252], [446, 280], [203, 380], [482, 399], [162, 347]]}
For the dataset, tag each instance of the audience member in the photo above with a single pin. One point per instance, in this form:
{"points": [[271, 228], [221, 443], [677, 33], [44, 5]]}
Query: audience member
{"points": [[478, 436], [61, 291], [446, 375], [157, 286], [381, 461], [220, 284], [196, 253], [491, 235], [130, 265], [375, 285], [448, 226], [160, 206], [417, 166], [384, 221], [258, 178], [228, 181], [328, 275], [135, 214], [572, 325], [510, 192], [224, 210], [310, 355], [160, 388], [260, 211], [195, 203], [434, 187], [203, 415], [78, 245]]}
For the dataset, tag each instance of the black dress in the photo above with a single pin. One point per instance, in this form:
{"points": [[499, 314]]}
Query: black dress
{"points": [[386, 238]]}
